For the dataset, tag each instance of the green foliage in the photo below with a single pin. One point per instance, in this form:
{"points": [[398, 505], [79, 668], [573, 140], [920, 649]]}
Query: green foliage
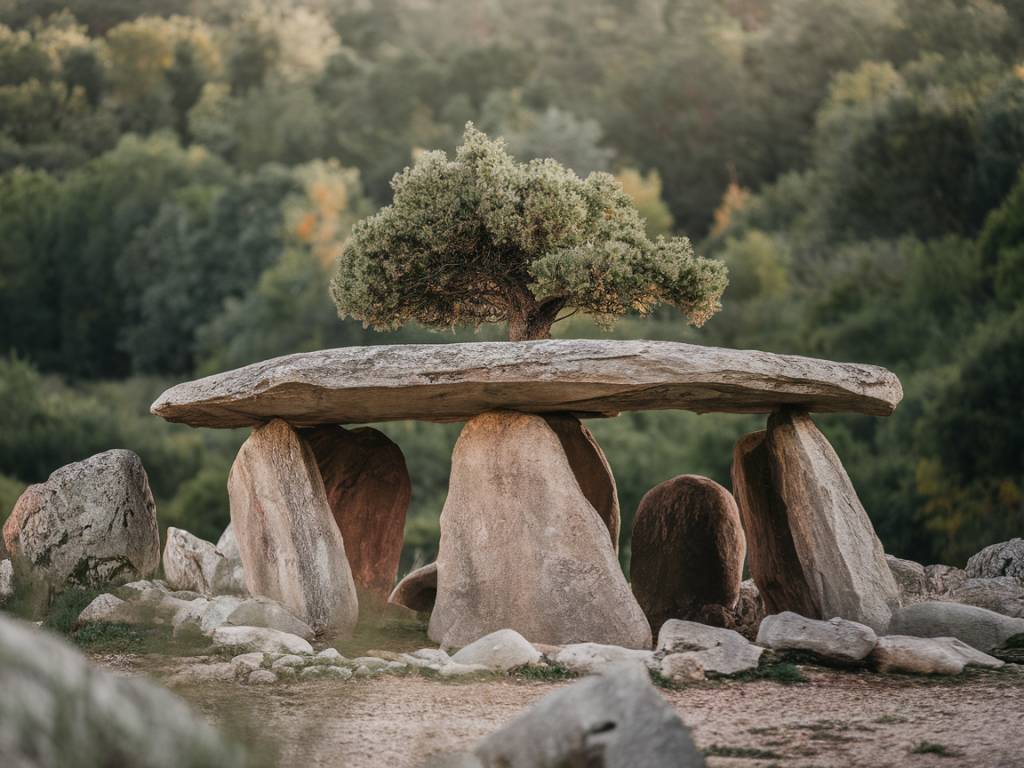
{"points": [[484, 239], [932, 748], [62, 615]]}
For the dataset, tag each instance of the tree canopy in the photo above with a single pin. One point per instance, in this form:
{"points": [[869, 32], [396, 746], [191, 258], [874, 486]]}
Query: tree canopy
{"points": [[483, 238]]}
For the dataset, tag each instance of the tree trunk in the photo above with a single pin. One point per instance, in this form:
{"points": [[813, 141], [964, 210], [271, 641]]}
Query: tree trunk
{"points": [[534, 322]]}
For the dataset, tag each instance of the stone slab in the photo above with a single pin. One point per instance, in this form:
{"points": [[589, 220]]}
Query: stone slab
{"points": [[454, 382]]}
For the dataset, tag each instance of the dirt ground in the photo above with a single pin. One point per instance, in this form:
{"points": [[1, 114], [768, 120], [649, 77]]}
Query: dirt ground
{"points": [[833, 719]]}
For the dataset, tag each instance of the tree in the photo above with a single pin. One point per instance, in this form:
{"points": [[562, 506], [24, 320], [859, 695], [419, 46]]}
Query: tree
{"points": [[482, 238]]}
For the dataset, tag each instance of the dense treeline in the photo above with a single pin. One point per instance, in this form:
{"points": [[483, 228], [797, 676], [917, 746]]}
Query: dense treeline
{"points": [[177, 178]]}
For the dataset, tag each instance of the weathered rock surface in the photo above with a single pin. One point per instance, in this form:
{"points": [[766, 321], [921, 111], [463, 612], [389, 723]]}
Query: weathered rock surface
{"points": [[262, 612], [682, 668], [1003, 559], [749, 611], [189, 562], [417, 591], [453, 382], [1003, 594], [292, 549], [6, 581], [834, 640], [105, 609], [719, 651], [592, 658], [910, 577], [58, 710], [253, 639], [928, 656], [978, 627], [560, 582], [91, 523], [368, 490], [591, 468], [615, 720], [502, 650], [941, 579], [844, 569], [687, 550], [229, 577]]}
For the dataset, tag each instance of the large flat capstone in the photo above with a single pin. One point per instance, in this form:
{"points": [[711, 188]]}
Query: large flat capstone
{"points": [[454, 382]]}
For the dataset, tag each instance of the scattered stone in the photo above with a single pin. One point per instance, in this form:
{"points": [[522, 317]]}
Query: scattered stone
{"points": [[942, 579], [91, 523], [292, 549], [910, 577], [719, 651], [260, 639], [185, 594], [363, 671], [370, 662], [331, 655], [59, 710], [368, 490], [264, 612], [189, 562], [682, 668], [796, 481], [590, 658], [455, 382], [342, 673], [6, 581], [397, 666], [417, 591], [431, 655], [289, 660], [749, 610], [262, 677], [502, 650], [615, 720], [687, 550], [591, 468], [978, 627], [247, 662], [928, 656], [229, 577], [1002, 594], [104, 608], [453, 669], [1003, 559], [833, 640], [561, 582]]}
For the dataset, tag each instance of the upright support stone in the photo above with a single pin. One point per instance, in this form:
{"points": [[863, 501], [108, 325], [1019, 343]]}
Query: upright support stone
{"points": [[368, 490], [793, 479], [687, 552], [522, 547], [291, 547], [591, 468]]}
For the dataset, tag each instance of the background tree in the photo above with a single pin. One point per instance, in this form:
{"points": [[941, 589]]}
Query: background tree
{"points": [[486, 239]]}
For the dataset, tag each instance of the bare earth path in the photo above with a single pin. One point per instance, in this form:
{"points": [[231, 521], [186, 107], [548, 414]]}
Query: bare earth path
{"points": [[834, 719]]}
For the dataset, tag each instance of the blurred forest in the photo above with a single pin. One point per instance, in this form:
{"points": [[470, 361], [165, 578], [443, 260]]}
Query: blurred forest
{"points": [[178, 176]]}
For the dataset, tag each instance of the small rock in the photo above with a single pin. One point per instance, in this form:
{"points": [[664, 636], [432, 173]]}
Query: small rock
{"points": [[260, 639], [185, 594], [591, 658], [835, 640], [978, 627], [229, 576], [289, 660], [454, 669], [418, 663], [331, 655], [363, 671], [370, 662], [910, 576], [247, 662], [928, 656], [432, 655], [719, 651], [342, 673], [501, 650], [6, 581], [682, 667], [1003, 559], [1002, 594], [264, 612], [262, 677], [189, 562], [941, 579], [397, 666], [749, 610], [104, 608]]}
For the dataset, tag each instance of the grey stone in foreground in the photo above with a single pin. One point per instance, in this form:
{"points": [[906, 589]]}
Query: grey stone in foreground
{"points": [[615, 720], [454, 382], [1003, 559], [719, 651], [834, 640], [58, 710], [522, 547], [291, 546], [502, 650], [91, 523], [928, 656], [417, 590], [978, 627]]}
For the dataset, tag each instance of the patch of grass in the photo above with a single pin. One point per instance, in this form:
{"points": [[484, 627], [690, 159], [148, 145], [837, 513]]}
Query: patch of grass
{"points": [[65, 608], [783, 672], [750, 753], [543, 673], [932, 748], [110, 638], [889, 720]]}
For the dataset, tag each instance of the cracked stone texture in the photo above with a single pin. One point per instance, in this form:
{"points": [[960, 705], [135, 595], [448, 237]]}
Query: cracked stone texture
{"points": [[91, 523], [368, 490], [1003, 559], [454, 382], [522, 548], [291, 548]]}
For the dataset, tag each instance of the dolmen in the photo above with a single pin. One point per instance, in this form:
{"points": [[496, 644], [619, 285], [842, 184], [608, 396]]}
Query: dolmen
{"points": [[530, 527]]}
